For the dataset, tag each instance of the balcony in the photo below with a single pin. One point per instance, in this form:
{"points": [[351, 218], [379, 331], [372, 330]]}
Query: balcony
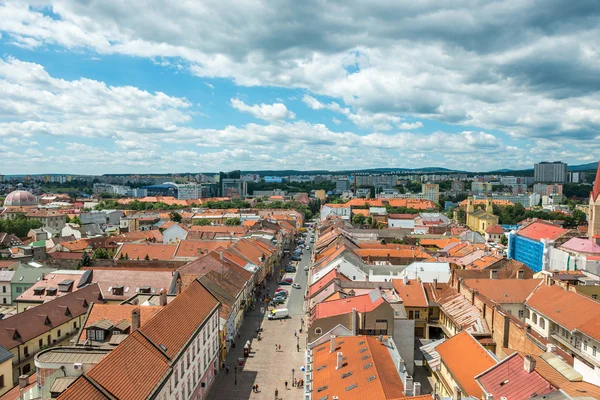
{"points": [[587, 359]]}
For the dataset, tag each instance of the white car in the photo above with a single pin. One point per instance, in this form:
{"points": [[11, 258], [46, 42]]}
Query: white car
{"points": [[306, 268], [296, 286]]}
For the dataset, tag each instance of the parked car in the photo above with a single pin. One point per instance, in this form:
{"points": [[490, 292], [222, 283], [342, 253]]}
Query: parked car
{"points": [[280, 290], [279, 314], [296, 286], [285, 283], [290, 269], [276, 302], [290, 280], [307, 247], [306, 268], [296, 258]]}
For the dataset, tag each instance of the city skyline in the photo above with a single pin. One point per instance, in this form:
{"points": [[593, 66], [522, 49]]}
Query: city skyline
{"points": [[101, 88]]}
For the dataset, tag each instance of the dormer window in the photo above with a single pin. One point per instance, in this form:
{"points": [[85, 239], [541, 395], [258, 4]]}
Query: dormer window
{"points": [[117, 290], [51, 291], [39, 291], [145, 289]]}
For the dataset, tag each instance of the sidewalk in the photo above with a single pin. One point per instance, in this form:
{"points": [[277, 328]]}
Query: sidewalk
{"points": [[265, 367]]}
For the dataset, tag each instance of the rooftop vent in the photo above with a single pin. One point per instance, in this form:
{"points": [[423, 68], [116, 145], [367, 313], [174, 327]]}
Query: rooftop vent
{"points": [[320, 389], [351, 387], [371, 378]]}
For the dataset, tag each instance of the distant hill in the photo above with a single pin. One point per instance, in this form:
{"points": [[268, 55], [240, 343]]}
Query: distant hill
{"points": [[584, 167]]}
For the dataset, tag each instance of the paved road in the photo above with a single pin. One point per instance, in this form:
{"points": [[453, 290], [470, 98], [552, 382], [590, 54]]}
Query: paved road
{"points": [[267, 367]]}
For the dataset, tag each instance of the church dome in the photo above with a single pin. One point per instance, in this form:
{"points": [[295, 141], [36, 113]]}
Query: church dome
{"points": [[20, 198]]}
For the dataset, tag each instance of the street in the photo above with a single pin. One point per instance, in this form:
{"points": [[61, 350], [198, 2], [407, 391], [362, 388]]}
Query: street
{"points": [[266, 366]]}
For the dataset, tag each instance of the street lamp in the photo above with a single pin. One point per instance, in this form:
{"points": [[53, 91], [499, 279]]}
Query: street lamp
{"points": [[235, 375]]}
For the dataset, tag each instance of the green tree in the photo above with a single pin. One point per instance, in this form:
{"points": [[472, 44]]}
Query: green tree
{"points": [[76, 220], [358, 219], [372, 192], [202, 222], [85, 260], [67, 218], [233, 221], [101, 254], [579, 216], [314, 206], [19, 225], [504, 240], [461, 216], [175, 216]]}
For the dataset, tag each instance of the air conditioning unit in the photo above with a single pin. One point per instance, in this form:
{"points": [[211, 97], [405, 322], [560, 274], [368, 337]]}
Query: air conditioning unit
{"points": [[78, 366]]}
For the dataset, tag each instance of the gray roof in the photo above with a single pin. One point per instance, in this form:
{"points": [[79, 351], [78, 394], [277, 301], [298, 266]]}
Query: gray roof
{"points": [[26, 274], [5, 355], [6, 276]]}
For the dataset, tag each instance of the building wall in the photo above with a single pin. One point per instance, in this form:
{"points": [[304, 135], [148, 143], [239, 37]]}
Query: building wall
{"points": [[594, 218], [6, 371], [5, 293], [56, 335], [527, 251], [401, 223]]}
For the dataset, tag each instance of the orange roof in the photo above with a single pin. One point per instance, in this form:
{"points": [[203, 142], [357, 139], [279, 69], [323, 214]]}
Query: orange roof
{"points": [[439, 243], [568, 309], [363, 202], [417, 204], [332, 205], [362, 304], [541, 230], [196, 248], [325, 281], [465, 358], [78, 245], [138, 236], [402, 216], [483, 262], [120, 373], [361, 211], [119, 312], [218, 229], [276, 198], [187, 311], [392, 253], [154, 251], [412, 294], [375, 377], [82, 388], [250, 222], [504, 290]]}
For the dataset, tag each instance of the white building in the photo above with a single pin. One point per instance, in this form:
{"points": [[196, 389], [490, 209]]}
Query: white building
{"points": [[5, 293]]}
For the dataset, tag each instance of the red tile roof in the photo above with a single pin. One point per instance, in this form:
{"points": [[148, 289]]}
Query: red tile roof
{"points": [[344, 306], [465, 358], [196, 248], [541, 230], [509, 379], [119, 312], [494, 230], [380, 380], [121, 374], [325, 281], [34, 322], [154, 251], [402, 216], [412, 294], [82, 388], [504, 291], [568, 309], [187, 312]]}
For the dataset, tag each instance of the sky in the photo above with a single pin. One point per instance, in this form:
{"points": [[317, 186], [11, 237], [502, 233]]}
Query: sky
{"points": [[106, 86]]}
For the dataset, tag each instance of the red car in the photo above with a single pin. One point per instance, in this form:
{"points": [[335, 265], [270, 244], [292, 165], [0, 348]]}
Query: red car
{"points": [[290, 280], [280, 290]]}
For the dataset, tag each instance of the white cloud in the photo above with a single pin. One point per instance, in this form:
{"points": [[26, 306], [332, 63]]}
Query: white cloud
{"points": [[336, 121], [267, 112]]}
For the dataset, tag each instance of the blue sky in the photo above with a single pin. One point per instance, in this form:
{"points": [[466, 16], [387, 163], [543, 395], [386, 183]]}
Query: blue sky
{"points": [[103, 88]]}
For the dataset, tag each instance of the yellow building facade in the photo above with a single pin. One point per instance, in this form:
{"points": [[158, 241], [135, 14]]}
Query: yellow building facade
{"points": [[479, 220]]}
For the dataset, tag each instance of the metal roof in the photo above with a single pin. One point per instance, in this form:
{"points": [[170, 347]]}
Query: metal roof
{"points": [[71, 355], [431, 355]]}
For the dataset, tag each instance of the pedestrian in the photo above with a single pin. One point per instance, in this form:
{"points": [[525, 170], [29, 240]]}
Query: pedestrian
{"points": [[257, 388], [275, 347], [294, 332], [298, 348], [276, 394], [227, 369], [254, 388], [279, 347], [286, 385]]}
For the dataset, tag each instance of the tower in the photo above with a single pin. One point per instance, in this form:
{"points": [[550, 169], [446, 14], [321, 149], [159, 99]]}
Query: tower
{"points": [[594, 216], [489, 207]]}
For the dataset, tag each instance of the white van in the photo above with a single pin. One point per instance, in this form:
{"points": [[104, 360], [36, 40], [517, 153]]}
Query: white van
{"points": [[279, 314]]}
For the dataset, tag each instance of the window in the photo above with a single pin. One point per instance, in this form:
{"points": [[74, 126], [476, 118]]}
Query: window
{"points": [[521, 314], [19, 289], [41, 342], [26, 369], [534, 318], [318, 331], [594, 350], [58, 333], [3, 291], [91, 334], [74, 325], [1, 381], [411, 314], [4, 300], [100, 335], [417, 314], [26, 351], [542, 323]]}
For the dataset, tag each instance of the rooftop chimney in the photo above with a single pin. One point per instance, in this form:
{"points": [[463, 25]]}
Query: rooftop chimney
{"points": [[178, 286], [489, 396], [493, 274], [163, 298], [331, 343], [135, 319], [456, 394], [23, 380], [435, 285], [417, 389], [354, 321], [401, 365], [340, 360], [529, 363], [408, 383], [521, 274]]}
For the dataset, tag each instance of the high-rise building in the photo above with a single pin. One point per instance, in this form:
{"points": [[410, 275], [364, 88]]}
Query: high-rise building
{"points": [[547, 190], [230, 177], [431, 191], [342, 185], [550, 172], [234, 188]]}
